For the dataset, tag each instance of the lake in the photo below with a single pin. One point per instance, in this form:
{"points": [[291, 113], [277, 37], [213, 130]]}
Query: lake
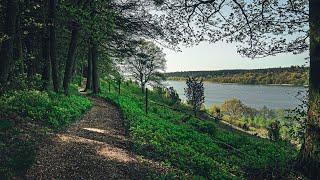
{"points": [[257, 96]]}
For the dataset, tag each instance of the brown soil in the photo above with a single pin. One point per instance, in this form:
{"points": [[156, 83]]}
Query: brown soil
{"points": [[96, 147]]}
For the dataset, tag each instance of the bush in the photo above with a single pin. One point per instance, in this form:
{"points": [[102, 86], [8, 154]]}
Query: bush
{"points": [[274, 131], [49, 108], [173, 96], [215, 111]]}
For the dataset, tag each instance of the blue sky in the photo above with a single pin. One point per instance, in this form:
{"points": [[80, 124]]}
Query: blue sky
{"points": [[224, 56]]}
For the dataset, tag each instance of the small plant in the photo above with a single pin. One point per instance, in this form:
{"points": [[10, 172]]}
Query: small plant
{"points": [[274, 131], [173, 95], [215, 111]]}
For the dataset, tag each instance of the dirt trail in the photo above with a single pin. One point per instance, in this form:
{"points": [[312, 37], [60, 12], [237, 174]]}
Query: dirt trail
{"points": [[95, 147]]}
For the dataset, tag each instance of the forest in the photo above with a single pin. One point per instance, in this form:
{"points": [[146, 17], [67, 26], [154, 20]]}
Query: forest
{"points": [[292, 75], [82, 93]]}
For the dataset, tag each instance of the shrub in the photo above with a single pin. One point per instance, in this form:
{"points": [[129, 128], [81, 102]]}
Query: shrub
{"points": [[215, 111], [173, 96], [274, 131]]}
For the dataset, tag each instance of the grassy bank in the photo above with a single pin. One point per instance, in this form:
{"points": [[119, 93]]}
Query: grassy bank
{"points": [[25, 119], [197, 148]]}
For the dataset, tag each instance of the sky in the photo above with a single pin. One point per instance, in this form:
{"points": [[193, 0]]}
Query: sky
{"points": [[221, 55]]}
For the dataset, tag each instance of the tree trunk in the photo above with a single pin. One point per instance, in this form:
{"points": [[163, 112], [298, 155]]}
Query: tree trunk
{"points": [[46, 61], [310, 151], [52, 36], [70, 58], [89, 71], [142, 84], [142, 87], [29, 61], [95, 77], [6, 51], [18, 43]]}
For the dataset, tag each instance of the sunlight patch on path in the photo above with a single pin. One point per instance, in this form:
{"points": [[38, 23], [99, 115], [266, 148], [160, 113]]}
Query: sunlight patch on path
{"points": [[103, 149], [114, 153], [110, 133]]}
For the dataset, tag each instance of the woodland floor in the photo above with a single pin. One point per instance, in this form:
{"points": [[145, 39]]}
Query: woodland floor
{"points": [[95, 147]]}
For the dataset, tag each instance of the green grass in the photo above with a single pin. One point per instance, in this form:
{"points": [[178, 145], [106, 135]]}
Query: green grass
{"points": [[26, 117], [201, 149]]}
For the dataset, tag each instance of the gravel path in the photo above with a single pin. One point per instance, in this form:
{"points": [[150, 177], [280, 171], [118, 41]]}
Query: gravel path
{"points": [[95, 147]]}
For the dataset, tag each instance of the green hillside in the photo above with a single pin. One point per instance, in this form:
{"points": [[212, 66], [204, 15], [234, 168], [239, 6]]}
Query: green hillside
{"points": [[196, 148]]}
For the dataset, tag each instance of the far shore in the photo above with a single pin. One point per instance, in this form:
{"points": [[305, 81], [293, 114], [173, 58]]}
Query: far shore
{"points": [[294, 85]]}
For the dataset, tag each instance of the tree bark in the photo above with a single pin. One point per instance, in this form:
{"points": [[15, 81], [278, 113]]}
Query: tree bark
{"points": [[46, 75], [89, 71], [6, 51], [70, 58], [95, 76], [18, 43], [142, 88], [31, 69], [52, 36], [142, 84], [310, 151]]}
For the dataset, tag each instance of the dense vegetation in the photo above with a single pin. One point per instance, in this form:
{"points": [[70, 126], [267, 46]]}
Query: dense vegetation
{"points": [[26, 117], [196, 148], [294, 75]]}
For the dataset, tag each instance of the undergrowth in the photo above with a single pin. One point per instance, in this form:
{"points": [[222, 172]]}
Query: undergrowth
{"points": [[25, 117]]}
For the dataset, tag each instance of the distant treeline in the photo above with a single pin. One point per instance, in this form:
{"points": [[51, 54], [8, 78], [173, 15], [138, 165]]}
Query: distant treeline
{"points": [[294, 75]]}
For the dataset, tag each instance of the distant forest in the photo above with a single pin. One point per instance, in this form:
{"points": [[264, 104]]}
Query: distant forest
{"points": [[294, 75]]}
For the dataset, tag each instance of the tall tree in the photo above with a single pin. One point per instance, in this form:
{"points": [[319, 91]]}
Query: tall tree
{"points": [[146, 63], [310, 151], [52, 35], [6, 51], [74, 26]]}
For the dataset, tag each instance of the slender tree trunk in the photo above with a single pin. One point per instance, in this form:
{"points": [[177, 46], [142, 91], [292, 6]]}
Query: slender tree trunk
{"points": [[95, 76], [310, 151], [29, 61], [142, 84], [52, 36], [70, 58], [18, 43], [142, 87], [6, 51], [89, 71], [46, 75]]}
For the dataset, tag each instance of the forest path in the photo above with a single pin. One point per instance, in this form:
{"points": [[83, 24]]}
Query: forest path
{"points": [[95, 147]]}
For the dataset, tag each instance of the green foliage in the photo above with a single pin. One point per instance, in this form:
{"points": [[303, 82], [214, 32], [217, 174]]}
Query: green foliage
{"points": [[194, 93], [214, 110], [274, 131], [196, 147], [173, 95], [52, 109]]}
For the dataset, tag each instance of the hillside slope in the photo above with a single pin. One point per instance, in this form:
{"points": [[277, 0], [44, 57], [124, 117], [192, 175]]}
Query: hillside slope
{"points": [[195, 147]]}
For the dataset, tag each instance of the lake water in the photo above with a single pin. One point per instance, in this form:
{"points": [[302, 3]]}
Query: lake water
{"points": [[257, 96]]}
